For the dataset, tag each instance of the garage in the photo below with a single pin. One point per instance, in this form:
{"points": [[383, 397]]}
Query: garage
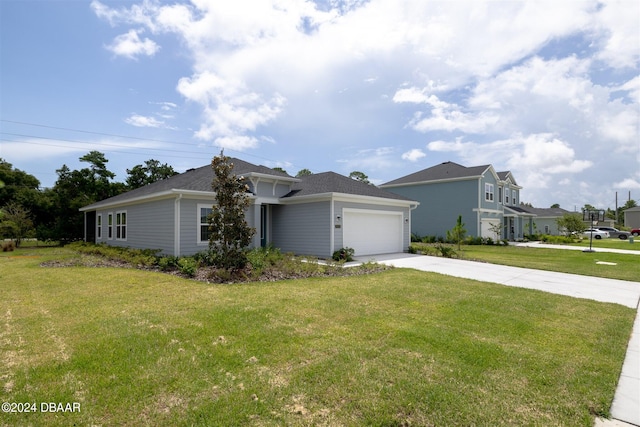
{"points": [[487, 227], [371, 232]]}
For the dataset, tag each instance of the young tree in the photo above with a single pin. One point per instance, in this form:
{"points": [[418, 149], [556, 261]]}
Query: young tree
{"points": [[457, 233], [15, 222], [229, 232], [571, 223]]}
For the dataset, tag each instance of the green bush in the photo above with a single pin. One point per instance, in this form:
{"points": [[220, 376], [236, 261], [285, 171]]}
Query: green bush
{"points": [[343, 254], [445, 251], [557, 239], [188, 266], [261, 258], [138, 257], [167, 263]]}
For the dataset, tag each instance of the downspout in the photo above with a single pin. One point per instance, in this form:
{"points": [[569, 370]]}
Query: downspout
{"points": [[176, 225]]}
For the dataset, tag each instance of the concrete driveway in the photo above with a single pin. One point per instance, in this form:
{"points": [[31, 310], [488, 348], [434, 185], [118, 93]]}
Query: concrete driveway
{"points": [[626, 403]]}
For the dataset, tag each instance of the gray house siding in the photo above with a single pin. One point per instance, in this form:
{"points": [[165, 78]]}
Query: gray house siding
{"points": [[440, 205], [302, 228], [149, 225]]}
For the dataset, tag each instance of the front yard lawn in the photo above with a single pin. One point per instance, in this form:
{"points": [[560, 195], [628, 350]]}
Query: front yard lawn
{"points": [[399, 347]]}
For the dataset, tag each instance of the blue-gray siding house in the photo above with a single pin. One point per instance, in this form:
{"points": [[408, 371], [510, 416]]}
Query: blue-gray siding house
{"points": [[313, 215], [487, 200]]}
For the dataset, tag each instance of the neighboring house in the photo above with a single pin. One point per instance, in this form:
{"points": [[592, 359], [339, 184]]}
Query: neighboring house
{"points": [[486, 199], [632, 217], [313, 215], [545, 220]]}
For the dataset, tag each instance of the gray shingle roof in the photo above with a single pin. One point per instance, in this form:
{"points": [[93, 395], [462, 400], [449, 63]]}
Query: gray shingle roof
{"points": [[443, 171], [546, 212], [331, 182], [198, 179]]}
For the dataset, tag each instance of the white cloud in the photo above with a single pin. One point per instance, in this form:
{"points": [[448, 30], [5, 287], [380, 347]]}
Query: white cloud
{"points": [[236, 142], [230, 108], [144, 121], [618, 19], [413, 155], [131, 46], [628, 184]]}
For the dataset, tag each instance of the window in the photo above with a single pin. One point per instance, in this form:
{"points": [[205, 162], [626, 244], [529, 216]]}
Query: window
{"points": [[506, 196], [121, 225], [488, 192], [99, 227], [110, 226], [203, 221], [499, 194], [514, 200]]}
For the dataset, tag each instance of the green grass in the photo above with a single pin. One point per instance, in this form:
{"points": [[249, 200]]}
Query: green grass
{"points": [[613, 243], [627, 266], [396, 348]]}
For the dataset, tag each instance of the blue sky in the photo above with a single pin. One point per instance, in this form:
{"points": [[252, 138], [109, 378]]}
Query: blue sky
{"points": [[547, 90]]}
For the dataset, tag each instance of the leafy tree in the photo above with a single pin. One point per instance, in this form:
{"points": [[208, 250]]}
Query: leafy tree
{"points": [[457, 233], [303, 172], [75, 189], [571, 223], [279, 169], [555, 205], [359, 176], [229, 232], [150, 172], [15, 222]]}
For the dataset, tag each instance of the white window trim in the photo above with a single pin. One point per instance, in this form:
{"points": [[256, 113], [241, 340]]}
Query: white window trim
{"points": [[488, 192], [500, 194], [513, 197], [110, 226], [99, 226], [120, 227], [506, 195], [199, 224]]}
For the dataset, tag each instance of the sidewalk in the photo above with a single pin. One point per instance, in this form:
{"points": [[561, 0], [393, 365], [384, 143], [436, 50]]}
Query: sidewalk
{"points": [[578, 248], [626, 403]]}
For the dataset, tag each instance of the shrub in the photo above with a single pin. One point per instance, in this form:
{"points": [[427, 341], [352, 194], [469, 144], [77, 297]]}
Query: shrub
{"points": [[188, 266], [167, 263], [9, 246], [473, 240], [412, 249], [343, 254], [261, 258], [445, 251]]}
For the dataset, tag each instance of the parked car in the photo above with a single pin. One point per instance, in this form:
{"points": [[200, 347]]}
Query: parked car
{"points": [[614, 232], [635, 232], [597, 234]]}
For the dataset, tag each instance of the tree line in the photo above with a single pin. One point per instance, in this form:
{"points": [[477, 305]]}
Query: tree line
{"points": [[52, 214]]}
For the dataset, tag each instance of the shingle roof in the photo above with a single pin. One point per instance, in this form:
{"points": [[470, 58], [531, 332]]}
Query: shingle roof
{"points": [[546, 212], [198, 179], [443, 171], [331, 182]]}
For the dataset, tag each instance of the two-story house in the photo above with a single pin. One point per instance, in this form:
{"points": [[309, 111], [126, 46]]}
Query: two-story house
{"points": [[487, 200]]}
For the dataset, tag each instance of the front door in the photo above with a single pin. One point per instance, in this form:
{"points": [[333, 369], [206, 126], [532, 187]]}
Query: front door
{"points": [[263, 225]]}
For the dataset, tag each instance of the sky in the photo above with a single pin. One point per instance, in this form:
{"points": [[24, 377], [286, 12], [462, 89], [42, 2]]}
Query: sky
{"points": [[549, 90]]}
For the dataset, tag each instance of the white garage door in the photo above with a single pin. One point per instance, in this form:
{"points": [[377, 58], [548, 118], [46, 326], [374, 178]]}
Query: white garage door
{"points": [[485, 228], [372, 232]]}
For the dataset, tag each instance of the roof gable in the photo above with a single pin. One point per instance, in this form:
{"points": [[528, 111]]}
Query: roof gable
{"points": [[198, 179], [442, 172]]}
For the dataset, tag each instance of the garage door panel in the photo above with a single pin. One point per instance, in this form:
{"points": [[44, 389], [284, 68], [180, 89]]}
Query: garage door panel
{"points": [[370, 233]]}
